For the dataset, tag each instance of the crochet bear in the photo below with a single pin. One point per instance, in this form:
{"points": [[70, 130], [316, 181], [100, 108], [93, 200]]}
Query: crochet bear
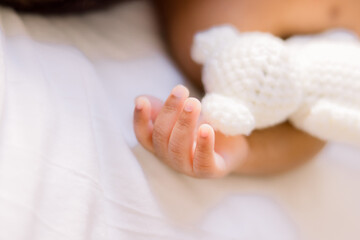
{"points": [[255, 80]]}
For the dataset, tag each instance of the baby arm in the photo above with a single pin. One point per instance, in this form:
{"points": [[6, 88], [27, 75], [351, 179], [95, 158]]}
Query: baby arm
{"points": [[165, 129]]}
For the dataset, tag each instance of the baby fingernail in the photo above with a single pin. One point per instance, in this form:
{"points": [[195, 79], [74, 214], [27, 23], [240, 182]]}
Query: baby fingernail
{"points": [[188, 107], [179, 91], [204, 132], [139, 103]]}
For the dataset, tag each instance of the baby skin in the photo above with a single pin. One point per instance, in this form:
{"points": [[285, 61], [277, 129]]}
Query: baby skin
{"points": [[174, 133], [173, 130]]}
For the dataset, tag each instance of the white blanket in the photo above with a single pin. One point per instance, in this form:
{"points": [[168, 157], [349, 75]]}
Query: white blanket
{"points": [[70, 167]]}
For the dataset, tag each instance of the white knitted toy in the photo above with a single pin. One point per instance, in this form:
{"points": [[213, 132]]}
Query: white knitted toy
{"points": [[256, 80]]}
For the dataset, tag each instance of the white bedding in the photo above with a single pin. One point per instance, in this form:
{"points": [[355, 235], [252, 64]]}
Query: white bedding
{"points": [[70, 167]]}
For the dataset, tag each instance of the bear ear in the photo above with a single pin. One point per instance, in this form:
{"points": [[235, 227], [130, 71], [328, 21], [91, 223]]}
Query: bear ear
{"points": [[207, 42]]}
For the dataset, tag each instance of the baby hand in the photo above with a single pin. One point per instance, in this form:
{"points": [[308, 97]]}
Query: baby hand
{"points": [[170, 131]]}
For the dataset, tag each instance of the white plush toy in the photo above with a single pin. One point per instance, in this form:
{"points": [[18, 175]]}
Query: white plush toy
{"points": [[256, 80]]}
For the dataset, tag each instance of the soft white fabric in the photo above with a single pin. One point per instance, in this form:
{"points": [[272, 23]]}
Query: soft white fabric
{"points": [[70, 167], [2, 75], [256, 80]]}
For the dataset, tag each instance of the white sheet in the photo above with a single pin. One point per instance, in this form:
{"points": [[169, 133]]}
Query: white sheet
{"points": [[70, 167]]}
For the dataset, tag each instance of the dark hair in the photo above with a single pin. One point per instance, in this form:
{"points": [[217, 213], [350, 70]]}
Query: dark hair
{"points": [[56, 6]]}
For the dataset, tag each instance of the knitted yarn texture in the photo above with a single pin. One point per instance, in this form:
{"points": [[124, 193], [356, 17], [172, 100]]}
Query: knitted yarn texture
{"points": [[254, 80]]}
